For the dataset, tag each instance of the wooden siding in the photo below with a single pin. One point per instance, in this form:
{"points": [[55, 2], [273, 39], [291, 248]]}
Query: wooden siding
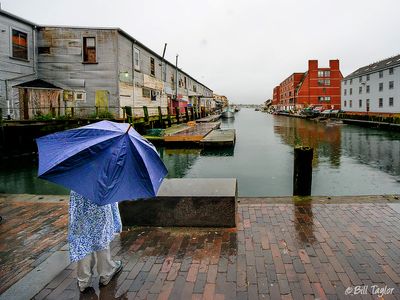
{"points": [[13, 70], [64, 66]]}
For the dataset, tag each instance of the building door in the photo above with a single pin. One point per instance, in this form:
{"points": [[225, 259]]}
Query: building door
{"points": [[367, 105]]}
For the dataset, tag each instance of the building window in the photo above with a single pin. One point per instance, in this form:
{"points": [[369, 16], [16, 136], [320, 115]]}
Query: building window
{"points": [[137, 59], [360, 103], [345, 92], [381, 86], [327, 74], [380, 74], [146, 93], [351, 103], [172, 79], [367, 105], [391, 85], [351, 91], [19, 44], [345, 103], [367, 77], [351, 81], [89, 50], [380, 102], [153, 94], [44, 50], [360, 79], [390, 71], [324, 99], [184, 80], [345, 82], [367, 89], [360, 90], [327, 82], [152, 67], [391, 101], [320, 73]]}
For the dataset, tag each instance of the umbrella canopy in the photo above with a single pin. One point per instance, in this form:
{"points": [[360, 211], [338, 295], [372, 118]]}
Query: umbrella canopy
{"points": [[105, 162]]}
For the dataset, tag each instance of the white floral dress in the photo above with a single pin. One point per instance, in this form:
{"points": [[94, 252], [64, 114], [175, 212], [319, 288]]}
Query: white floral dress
{"points": [[91, 227]]}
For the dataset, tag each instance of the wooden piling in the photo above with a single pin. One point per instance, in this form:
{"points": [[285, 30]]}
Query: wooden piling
{"points": [[302, 171], [187, 114], [192, 113], [177, 115], [160, 117], [169, 116], [146, 114]]}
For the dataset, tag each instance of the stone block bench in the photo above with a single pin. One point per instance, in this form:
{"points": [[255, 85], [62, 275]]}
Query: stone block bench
{"points": [[192, 202]]}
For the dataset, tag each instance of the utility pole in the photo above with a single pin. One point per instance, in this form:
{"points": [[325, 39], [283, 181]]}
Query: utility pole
{"points": [[176, 78], [162, 72]]}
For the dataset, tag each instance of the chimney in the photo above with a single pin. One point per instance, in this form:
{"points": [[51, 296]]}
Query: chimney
{"points": [[312, 65], [334, 64]]}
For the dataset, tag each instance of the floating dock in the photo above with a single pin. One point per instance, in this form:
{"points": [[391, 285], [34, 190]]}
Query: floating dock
{"points": [[219, 138], [208, 119], [193, 133]]}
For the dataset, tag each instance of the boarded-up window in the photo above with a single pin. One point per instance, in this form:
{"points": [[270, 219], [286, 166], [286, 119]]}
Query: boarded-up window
{"points": [[19, 44], [152, 67], [146, 93], [89, 49]]}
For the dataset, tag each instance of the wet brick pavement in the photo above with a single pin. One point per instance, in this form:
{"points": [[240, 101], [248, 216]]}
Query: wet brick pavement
{"points": [[29, 233], [277, 251]]}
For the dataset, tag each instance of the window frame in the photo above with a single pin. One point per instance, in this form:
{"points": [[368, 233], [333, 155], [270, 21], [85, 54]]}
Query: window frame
{"points": [[152, 66], [391, 101], [380, 102], [84, 37], [391, 85], [11, 44], [360, 103]]}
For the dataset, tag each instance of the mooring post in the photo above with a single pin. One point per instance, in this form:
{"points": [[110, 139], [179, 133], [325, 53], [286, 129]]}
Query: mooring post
{"points": [[302, 171], [186, 114], [192, 113], [169, 116], [160, 117], [177, 115], [146, 114]]}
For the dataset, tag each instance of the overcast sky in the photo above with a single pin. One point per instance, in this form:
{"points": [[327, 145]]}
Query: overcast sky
{"points": [[241, 49]]}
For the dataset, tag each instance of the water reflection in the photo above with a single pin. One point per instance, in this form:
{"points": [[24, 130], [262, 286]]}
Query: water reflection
{"points": [[379, 149], [326, 140], [304, 222], [178, 161]]}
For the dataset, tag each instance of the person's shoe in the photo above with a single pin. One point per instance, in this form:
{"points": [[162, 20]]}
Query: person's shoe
{"points": [[83, 286], [104, 281]]}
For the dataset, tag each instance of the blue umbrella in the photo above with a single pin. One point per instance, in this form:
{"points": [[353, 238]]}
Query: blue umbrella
{"points": [[105, 162]]}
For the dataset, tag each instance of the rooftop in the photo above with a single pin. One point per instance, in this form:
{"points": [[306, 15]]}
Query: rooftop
{"points": [[375, 67]]}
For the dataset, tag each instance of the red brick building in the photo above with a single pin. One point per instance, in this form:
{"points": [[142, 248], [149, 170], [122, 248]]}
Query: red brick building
{"points": [[316, 87], [276, 96]]}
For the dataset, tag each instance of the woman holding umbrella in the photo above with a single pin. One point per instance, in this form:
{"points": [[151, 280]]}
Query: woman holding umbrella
{"points": [[102, 163], [91, 229]]}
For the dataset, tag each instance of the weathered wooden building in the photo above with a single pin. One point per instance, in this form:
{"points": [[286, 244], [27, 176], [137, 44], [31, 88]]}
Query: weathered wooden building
{"points": [[18, 62], [91, 70]]}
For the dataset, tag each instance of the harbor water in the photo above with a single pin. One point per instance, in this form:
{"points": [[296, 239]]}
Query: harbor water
{"points": [[348, 160]]}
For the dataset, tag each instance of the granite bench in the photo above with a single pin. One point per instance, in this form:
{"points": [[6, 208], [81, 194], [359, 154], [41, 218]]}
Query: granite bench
{"points": [[191, 202]]}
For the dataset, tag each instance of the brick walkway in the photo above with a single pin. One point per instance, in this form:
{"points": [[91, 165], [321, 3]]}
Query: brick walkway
{"points": [[278, 251], [29, 233]]}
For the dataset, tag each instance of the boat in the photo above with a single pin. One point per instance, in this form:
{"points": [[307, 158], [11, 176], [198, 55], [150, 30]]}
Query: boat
{"points": [[228, 113], [237, 108]]}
